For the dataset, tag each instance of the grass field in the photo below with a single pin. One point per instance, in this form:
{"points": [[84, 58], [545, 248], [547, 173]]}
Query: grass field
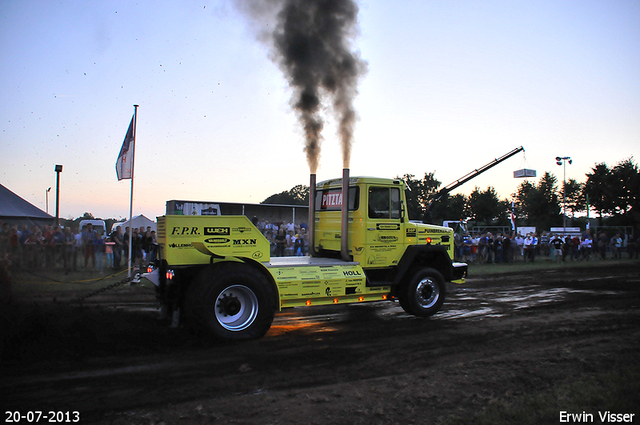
{"points": [[541, 263]]}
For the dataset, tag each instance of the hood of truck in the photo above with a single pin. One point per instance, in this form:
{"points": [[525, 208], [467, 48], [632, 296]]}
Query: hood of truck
{"points": [[430, 233]]}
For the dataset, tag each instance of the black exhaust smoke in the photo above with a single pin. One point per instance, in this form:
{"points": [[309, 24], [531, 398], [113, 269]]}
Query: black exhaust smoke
{"points": [[311, 43]]}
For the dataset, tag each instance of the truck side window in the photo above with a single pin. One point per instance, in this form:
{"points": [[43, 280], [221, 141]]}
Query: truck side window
{"points": [[384, 202]]}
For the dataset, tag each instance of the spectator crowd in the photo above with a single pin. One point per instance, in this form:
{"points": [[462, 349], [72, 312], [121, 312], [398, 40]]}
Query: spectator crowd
{"points": [[52, 247], [286, 239], [512, 247]]}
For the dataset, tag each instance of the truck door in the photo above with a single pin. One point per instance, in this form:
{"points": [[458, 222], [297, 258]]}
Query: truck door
{"points": [[384, 239]]}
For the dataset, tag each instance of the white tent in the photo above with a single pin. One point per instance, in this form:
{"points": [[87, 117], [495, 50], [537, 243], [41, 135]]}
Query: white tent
{"points": [[137, 221]]}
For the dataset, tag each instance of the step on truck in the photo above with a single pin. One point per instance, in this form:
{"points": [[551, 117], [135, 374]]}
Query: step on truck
{"points": [[217, 271]]}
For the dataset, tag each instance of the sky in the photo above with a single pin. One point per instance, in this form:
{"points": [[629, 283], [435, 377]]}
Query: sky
{"points": [[450, 85]]}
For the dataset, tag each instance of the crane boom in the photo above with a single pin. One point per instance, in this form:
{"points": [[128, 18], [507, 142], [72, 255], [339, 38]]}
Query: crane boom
{"points": [[477, 172], [462, 180]]}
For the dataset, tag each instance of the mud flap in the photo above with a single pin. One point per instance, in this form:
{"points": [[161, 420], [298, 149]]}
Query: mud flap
{"points": [[153, 277]]}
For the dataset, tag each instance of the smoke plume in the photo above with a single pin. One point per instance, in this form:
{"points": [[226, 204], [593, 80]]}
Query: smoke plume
{"points": [[311, 43]]}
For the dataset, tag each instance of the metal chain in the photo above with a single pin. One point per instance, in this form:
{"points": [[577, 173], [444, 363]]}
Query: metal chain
{"points": [[101, 290]]}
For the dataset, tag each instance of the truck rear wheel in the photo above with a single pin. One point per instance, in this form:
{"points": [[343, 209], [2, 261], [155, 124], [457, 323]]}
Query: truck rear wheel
{"points": [[424, 294], [232, 301]]}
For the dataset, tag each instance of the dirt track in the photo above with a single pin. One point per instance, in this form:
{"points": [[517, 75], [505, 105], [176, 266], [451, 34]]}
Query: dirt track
{"points": [[497, 338]]}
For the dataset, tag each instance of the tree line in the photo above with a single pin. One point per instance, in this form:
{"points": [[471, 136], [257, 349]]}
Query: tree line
{"points": [[611, 193]]}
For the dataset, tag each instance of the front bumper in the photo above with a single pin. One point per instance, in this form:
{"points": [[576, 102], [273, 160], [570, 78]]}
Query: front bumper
{"points": [[459, 272]]}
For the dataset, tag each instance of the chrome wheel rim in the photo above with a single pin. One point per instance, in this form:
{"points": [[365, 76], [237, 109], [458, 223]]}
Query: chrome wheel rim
{"points": [[427, 292], [236, 308]]}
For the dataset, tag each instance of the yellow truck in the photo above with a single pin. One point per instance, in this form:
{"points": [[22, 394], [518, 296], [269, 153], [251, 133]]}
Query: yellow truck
{"points": [[219, 272]]}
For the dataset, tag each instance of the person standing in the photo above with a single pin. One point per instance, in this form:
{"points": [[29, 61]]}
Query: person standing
{"points": [[497, 248], [636, 247], [585, 247], [602, 245], [616, 246], [57, 244], [99, 250], [116, 238], [68, 250], [125, 245], [77, 249], [556, 248], [281, 242], [507, 249], [89, 245], [529, 248], [108, 250], [153, 248], [298, 246], [519, 245]]}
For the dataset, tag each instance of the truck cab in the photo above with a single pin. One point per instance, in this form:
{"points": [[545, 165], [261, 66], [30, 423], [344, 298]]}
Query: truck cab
{"points": [[380, 233]]}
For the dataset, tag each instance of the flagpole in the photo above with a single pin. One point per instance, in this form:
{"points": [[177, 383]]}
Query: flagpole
{"points": [[133, 162]]}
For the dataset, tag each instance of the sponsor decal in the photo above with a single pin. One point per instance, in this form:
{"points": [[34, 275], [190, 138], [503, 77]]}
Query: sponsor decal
{"points": [[388, 226], [387, 239], [217, 240], [411, 233], [241, 229], [180, 245], [245, 242], [257, 255], [351, 273], [310, 294], [331, 199], [221, 231], [185, 231]]}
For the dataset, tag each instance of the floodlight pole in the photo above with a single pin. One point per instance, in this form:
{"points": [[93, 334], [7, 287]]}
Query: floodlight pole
{"points": [[46, 199], [562, 160], [58, 170]]}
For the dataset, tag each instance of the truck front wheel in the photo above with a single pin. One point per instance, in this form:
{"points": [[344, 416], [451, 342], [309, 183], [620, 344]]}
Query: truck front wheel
{"points": [[233, 301], [424, 294]]}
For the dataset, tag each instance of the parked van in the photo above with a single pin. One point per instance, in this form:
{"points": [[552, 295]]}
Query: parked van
{"points": [[98, 225]]}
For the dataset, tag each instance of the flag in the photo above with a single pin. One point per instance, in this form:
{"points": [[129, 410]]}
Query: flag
{"points": [[124, 164], [513, 217]]}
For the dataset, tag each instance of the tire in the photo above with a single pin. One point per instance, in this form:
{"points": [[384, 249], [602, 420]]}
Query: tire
{"points": [[424, 294], [232, 301]]}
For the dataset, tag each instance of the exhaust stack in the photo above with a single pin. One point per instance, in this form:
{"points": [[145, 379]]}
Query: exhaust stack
{"points": [[312, 216], [344, 229]]}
